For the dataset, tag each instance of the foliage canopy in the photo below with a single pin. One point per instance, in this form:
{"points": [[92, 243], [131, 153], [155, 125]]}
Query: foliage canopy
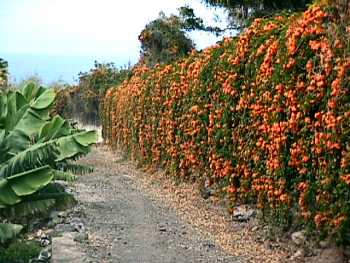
{"points": [[163, 40]]}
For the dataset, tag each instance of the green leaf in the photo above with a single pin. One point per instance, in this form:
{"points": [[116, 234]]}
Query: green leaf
{"points": [[7, 195], [29, 207], [69, 148], [76, 144], [45, 100], [30, 181], [56, 128], [33, 157], [30, 91], [3, 110], [30, 124], [17, 141], [64, 176], [86, 138], [2, 135]]}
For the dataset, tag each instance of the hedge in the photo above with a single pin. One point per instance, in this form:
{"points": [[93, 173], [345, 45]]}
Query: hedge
{"points": [[264, 117]]}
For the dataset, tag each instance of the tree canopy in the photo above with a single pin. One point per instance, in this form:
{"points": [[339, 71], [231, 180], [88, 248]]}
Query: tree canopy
{"points": [[82, 102], [3, 73], [241, 10], [164, 40]]}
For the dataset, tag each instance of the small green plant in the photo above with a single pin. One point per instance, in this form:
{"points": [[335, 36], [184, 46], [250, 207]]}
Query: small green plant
{"points": [[19, 252]]}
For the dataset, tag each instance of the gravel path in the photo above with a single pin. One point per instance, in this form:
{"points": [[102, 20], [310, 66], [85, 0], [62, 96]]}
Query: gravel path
{"points": [[126, 225]]}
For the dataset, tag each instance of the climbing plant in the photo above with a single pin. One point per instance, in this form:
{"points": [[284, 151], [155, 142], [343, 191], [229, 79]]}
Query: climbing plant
{"points": [[263, 118]]}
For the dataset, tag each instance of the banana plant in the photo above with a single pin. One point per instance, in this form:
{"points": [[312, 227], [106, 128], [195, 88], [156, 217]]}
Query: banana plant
{"points": [[35, 148]]}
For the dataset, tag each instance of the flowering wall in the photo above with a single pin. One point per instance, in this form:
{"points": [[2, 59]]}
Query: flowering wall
{"points": [[264, 117]]}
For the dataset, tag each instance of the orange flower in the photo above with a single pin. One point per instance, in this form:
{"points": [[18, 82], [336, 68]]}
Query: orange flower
{"points": [[320, 219], [346, 178]]}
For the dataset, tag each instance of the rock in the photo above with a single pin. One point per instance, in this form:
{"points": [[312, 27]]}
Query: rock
{"points": [[300, 253], [78, 227], [267, 245], [299, 238], [64, 250], [77, 224], [243, 214], [184, 246], [208, 244], [39, 233], [34, 225], [81, 237], [69, 190], [324, 243], [75, 220], [255, 228], [53, 214], [162, 228], [51, 224], [44, 241], [60, 228], [45, 255], [55, 219], [63, 183], [329, 255], [63, 214], [206, 192]]}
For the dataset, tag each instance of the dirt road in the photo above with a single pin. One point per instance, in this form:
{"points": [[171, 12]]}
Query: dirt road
{"points": [[124, 225]]}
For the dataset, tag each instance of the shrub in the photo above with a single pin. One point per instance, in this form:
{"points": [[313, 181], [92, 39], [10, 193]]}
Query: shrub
{"points": [[20, 252], [164, 40], [82, 102], [3, 73], [265, 117]]}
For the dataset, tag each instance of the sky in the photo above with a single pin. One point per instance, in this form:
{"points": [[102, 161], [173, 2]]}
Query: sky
{"points": [[58, 38]]}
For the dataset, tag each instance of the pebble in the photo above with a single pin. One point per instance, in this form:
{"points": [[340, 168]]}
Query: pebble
{"points": [[45, 255], [299, 238], [300, 253], [242, 214], [162, 229]]}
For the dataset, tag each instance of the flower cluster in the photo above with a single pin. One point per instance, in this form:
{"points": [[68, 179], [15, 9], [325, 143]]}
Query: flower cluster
{"points": [[265, 117]]}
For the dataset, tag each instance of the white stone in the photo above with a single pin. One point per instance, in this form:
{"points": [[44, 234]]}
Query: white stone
{"points": [[299, 238]]}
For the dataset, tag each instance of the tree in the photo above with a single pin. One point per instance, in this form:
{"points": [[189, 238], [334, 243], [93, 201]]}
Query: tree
{"points": [[164, 40], [82, 102], [240, 11], [3, 73], [189, 21]]}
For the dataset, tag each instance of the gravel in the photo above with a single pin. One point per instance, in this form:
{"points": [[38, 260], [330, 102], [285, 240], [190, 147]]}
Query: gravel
{"points": [[137, 216]]}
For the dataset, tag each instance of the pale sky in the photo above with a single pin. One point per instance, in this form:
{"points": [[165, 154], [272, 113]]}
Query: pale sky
{"points": [[80, 27], [106, 29]]}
